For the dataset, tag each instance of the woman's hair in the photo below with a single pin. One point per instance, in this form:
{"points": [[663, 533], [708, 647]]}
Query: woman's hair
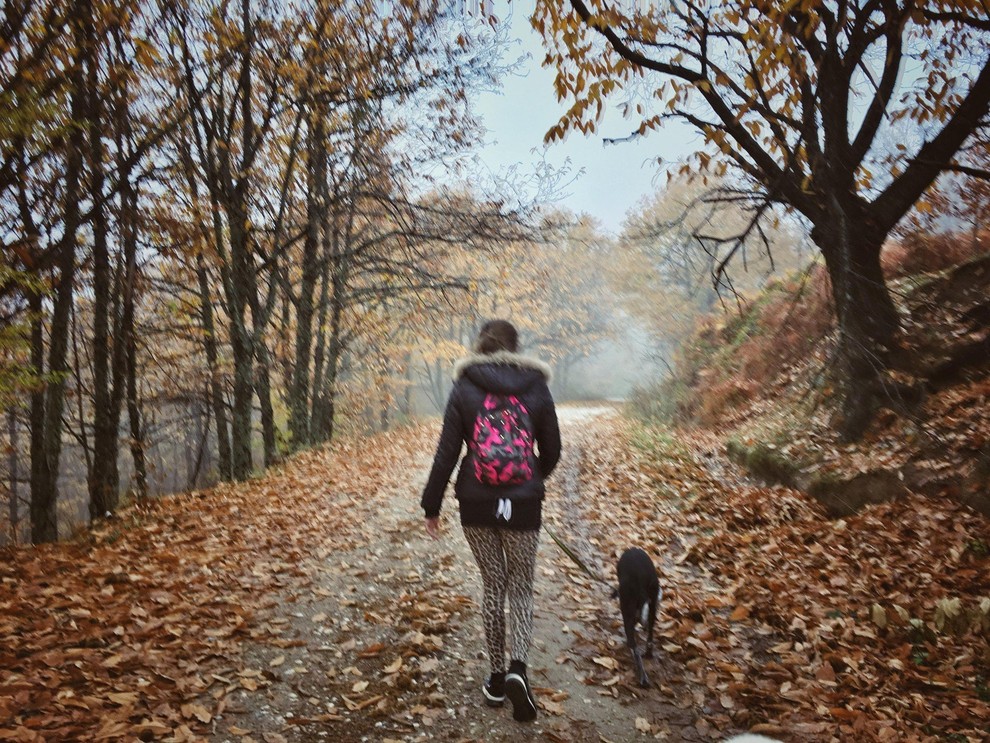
{"points": [[497, 335]]}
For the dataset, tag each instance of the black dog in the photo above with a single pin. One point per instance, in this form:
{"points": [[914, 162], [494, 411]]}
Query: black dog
{"points": [[639, 592]]}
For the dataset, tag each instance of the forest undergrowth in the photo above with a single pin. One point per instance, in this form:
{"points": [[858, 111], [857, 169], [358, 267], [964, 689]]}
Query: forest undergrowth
{"points": [[763, 378], [864, 563]]}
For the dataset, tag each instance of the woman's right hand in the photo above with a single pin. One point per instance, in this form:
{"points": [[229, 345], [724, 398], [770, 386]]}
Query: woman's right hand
{"points": [[433, 527]]}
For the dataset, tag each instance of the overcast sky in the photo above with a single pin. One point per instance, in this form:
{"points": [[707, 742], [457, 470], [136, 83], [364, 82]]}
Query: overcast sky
{"points": [[615, 176]]}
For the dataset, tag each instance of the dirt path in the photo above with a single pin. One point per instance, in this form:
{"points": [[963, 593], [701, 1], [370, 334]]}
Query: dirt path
{"points": [[307, 604], [385, 642]]}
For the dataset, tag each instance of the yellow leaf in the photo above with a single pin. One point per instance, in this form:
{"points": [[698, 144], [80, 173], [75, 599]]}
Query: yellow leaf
{"points": [[878, 615], [741, 612]]}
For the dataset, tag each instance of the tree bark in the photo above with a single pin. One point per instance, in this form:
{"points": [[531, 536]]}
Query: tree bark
{"points": [[14, 512], [134, 418], [44, 520], [299, 393], [46, 431], [125, 344], [866, 315], [103, 477], [324, 404], [48, 403], [210, 348], [196, 444], [240, 419], [320, 351], [407, 392], [242, 281], [264, 391]]}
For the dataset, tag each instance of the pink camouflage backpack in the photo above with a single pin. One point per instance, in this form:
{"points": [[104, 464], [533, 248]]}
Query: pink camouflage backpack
{"points": [[503, 441]]}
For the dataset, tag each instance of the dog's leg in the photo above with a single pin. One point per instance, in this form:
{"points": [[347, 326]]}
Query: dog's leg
{"points": [[650, 621], [644, 680], [630, 625]]}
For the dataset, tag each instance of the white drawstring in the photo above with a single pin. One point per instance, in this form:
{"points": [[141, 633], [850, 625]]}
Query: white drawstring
{"points": [[504, 509]]}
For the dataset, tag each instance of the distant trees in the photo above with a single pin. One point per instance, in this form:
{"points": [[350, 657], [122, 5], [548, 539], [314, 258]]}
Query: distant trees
{"points": [[69, 172], [796, 97], [671, 260], [205, 208], [547, 278], [957, 204]]}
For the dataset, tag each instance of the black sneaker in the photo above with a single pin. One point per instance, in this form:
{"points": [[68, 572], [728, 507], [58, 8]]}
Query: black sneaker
{"points": [[518, 691], [494, 689]]}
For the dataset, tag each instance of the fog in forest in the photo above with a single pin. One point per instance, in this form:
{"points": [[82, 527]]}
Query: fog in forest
{"points": [[177, 313]]}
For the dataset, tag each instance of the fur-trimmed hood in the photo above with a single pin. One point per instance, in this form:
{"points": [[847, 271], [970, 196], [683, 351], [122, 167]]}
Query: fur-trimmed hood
{"points": [[502, 372]]}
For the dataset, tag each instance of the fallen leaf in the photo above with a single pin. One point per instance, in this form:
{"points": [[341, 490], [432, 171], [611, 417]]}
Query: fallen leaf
{"points": [[198, 711]]}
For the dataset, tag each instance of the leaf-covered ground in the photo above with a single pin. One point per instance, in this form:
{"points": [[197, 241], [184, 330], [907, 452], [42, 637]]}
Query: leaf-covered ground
{"points": [[872, 627], [764, 379], [309, 605]]}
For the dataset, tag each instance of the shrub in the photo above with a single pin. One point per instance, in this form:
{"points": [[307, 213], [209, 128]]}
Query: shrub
{"points": [[661, 402], [732, 393], [765, 461], [919, 252], [732, 357]]}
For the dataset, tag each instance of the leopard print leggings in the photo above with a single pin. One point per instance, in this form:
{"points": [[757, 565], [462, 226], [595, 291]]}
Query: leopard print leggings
{"points": [[507, 560]]}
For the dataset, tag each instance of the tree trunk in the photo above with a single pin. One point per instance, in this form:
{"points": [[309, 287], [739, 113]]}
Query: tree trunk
{"points": [[103, 477], [80, 384], [324, 404], [216, 390], [867, 317], [240, 418], [14, 511], [385, 403], [319, 353], [196, 443], [299, 393], [407, 392], [264, 390], [239, 286], [243, 280], [46, 448], [44, 519], [48, 403], [105, 483], [134, 418], [124, 349]]}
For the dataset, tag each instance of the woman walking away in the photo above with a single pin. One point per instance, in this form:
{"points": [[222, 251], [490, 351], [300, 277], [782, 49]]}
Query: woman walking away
{"points": [[501, 407]]}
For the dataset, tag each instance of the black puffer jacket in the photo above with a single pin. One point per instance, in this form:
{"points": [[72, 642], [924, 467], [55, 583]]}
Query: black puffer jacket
{"points": [[502, 373]]}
